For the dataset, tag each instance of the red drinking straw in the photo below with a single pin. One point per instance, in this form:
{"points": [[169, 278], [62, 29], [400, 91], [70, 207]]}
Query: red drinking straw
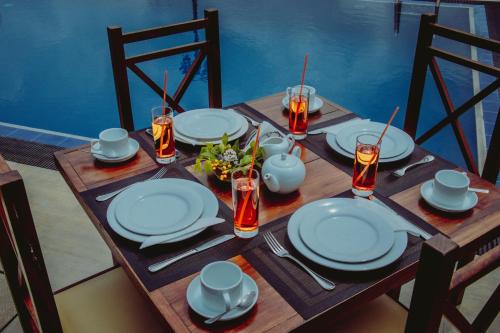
{"points": [[396, 110], [165, 79], [300, 92]]}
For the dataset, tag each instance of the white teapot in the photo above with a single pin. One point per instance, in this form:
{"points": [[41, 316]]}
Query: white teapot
{"points": [[284, 173]]}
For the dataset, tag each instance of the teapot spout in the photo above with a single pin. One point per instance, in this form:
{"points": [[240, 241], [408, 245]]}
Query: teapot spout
{"points": [[271, 182]]}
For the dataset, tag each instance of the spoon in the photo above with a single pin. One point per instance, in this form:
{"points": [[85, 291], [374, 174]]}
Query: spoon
{"points": [[243, 303], [479, 190], [401, 172]]}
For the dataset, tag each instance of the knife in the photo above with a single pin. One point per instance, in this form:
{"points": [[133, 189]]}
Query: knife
{"points": [[201, 223], [214, 242], [337, 127], [404, 224]]}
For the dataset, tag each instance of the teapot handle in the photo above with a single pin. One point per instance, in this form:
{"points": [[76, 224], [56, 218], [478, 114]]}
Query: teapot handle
{"points": [[291, 141]]}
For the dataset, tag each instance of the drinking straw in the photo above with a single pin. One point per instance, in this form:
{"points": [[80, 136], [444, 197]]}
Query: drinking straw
{"points": [[165, 79], [254, 154], [362, 173], [164, 110], [300, 92]]}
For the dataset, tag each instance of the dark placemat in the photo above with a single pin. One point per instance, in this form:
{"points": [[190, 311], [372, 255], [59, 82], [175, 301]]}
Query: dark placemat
{"points": [[387, 184], [300, 290], [139, 260]]}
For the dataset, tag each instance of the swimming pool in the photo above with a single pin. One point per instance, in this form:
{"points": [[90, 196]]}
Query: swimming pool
{"points": [[56, 71]]}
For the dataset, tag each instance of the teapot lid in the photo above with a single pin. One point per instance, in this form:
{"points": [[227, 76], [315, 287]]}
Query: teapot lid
{"points": [[284, 160]]}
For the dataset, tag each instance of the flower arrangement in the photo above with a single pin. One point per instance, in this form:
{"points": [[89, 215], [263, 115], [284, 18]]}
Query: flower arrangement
{"points": [[223, 158]]}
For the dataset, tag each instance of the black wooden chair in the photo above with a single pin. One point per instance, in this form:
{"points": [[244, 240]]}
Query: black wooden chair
{"points": [[106, 302], [209, 48], [436, 284], [425, 56]]}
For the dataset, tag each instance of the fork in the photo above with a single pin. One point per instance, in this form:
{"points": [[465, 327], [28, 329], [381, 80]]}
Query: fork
{"points": [[104, 197], [401, 172], [280, 251]]}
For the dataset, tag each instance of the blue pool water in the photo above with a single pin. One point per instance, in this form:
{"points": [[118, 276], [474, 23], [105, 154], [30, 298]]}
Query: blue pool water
{"points": [[56, 72]]}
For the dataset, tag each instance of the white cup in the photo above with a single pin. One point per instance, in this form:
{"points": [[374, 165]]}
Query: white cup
{"points": [[312, 93], [221, 285], [450, 187], [113, 142]]}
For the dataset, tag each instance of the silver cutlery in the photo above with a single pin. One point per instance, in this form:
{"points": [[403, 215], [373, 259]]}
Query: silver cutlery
{"points": [[243, 303], [214, 242], [104, 197], [280, 251], [478, 190], [339, 126], [199, 224], [404, 225], [401, 172]]}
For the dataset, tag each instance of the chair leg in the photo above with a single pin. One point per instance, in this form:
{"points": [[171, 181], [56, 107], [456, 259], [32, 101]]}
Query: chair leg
{"points": [[456, 298], [394, 293]]}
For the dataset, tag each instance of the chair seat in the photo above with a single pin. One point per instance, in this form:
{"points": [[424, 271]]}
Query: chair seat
{"points": [[106, 303], [382, 315]]}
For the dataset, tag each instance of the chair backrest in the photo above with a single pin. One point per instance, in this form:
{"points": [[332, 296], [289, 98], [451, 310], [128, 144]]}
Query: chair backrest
{"points": [[22, 257], [208, 48], [425, 56], [437, 282]]}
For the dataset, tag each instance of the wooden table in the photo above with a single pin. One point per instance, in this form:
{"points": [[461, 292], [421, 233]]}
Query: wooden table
{"points": [[328, 175]]}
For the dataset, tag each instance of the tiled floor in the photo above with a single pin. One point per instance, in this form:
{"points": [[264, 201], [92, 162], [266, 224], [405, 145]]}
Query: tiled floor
{"points": [[73, 249]]}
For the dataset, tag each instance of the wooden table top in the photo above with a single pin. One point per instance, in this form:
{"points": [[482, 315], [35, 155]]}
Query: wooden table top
{"points": [[323, 180]]}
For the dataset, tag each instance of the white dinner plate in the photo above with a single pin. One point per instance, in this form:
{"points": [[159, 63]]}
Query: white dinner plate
{"points": [[157, 207], [394, 143], [210, 209], [208, 124], [342, 231], [332, 142], [399, 246], [181, 138], [313, 107]]}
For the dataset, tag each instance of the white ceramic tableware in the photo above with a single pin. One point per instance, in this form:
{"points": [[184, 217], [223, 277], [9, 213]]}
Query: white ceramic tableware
{"points": [[113, 142], [332, 142], [156, 208], [284, 173], [394, 143], [210, 209], [208, 124], [339, 233], [198, 142], [200, 224], [221, 285], [450, 187], [277, 145], [195, 300], [315, 103], [302, 216], [133, 148], [427, 192]]}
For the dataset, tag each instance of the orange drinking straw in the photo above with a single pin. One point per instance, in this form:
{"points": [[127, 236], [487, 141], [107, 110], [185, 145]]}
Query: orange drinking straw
{"points": [[300, 92], [396, 110], [164, 111], [254, 153]]}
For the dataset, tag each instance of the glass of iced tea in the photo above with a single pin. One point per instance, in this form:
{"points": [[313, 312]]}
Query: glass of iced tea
{"points": [[298, 105], [162, 125], [245, 186], [365, 165]]}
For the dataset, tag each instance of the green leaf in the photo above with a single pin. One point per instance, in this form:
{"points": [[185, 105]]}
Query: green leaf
{"points": [[225, 139], [208, 167]]}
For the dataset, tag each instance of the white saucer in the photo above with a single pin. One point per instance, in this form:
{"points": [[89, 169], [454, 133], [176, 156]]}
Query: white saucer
{"points": [[133, 148], [426, 192], [317, 105], [193, 295]]}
